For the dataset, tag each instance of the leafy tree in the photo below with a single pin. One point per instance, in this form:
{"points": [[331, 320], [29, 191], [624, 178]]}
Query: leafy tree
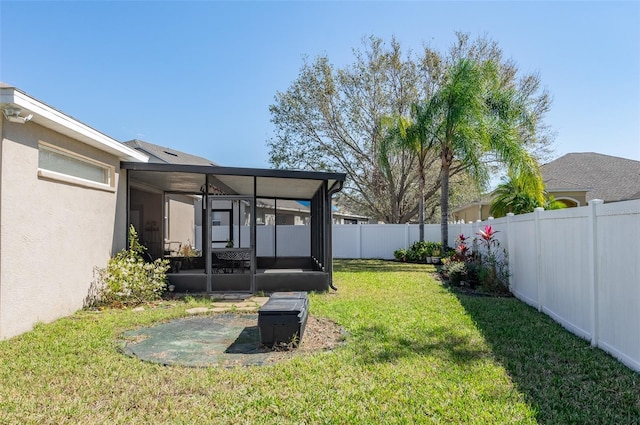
{"points": [[332, 119], [328, 119]]}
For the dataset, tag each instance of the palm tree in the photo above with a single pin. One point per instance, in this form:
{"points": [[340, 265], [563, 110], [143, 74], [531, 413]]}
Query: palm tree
{"points": [[516, 194], [403, 133], [519, 195], [552, 204], [470, 117]]}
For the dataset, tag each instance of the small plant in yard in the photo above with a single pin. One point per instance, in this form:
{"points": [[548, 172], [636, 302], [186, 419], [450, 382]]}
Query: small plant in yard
{"points": [[418, 252], [129, 279], [455, 271], [400, 254], [494, 272], [487, 268]]}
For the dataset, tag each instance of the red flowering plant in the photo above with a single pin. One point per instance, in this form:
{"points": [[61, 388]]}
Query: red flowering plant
{"points": [[487, 237], [455, 268], [463, 250], [486, 268], [493, 272]]}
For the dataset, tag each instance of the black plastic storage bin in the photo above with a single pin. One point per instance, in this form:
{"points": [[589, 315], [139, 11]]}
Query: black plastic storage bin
{"points": [[282, 319], [289, 295]]}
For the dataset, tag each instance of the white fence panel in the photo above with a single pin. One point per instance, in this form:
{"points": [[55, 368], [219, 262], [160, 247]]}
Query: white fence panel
{"points": [[431, 232], [523, 261], [346, 241], [264, 241], [293, 241], [564, 252], [618, 280], [380, 240]]}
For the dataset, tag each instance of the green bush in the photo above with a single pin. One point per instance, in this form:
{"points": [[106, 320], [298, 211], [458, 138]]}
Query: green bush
{"points": [[129, 279], [493, 274], [400, 254], [455, 272], [419, 251]]}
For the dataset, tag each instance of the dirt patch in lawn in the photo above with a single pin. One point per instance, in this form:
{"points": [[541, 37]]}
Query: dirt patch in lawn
{"points": [[223, 340]]}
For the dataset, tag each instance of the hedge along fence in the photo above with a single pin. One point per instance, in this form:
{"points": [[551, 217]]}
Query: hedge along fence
{"points": [[580, 266]]}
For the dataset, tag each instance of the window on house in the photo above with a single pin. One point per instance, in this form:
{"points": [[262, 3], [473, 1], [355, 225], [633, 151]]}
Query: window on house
{"points": [[64, 165]]}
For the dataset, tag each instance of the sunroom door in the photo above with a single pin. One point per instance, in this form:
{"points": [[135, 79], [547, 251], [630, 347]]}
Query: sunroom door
{"points": [[232, 252]]}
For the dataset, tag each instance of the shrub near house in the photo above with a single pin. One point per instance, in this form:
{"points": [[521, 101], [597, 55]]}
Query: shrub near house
{"points": [[129, 279], [486, 270]]}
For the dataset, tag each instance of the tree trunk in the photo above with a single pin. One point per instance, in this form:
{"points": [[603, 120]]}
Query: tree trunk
{"points": [[444, 204], [421, 206], [421, 219]]}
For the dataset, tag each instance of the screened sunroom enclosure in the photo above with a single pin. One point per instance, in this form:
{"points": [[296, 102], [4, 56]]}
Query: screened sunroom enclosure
{"points": [[222, 230]]}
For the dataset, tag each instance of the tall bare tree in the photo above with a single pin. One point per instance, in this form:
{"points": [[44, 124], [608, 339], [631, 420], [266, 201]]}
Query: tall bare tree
{"points": [[330, 119]]}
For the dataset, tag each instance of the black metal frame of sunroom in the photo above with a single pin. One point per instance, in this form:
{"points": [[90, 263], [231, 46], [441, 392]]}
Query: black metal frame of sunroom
{"points": [[318, 187]]}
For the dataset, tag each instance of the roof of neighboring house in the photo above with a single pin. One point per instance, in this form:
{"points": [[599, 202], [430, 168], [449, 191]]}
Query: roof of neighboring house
{"points": [[302, 206], [33, 110], [166, 155], [604, 177], [282, 204], [600, 176]]}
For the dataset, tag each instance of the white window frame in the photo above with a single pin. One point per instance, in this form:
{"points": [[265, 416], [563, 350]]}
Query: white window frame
{"points": [[109, 170]]}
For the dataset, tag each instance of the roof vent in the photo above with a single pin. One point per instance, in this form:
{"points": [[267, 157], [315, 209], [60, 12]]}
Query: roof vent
{"points": [[170, 153]]}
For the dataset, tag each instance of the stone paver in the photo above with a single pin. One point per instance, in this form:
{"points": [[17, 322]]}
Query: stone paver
{"points": [[245, 304], [223, 304], [197, 310], [254, 308]]}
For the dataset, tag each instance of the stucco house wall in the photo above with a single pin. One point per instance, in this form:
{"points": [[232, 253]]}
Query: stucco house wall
{"points": [[571, 198], [53, 233], [472, 213]]}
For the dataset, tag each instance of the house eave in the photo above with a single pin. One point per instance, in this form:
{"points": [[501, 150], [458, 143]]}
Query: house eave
{"points": [[263, 183], [55, 120]]}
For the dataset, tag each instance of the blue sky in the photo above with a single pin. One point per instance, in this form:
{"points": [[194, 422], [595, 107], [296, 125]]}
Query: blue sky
{"points": [[200, 76]]}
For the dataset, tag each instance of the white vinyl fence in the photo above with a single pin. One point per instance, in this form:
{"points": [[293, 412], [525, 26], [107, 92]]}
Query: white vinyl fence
{"points": [[580, 266]]}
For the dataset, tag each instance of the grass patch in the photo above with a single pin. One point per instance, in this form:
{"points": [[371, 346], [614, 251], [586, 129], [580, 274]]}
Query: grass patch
{"points": [[416, 353]]}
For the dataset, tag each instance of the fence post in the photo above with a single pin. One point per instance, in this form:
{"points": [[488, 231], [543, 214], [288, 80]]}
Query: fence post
{"points": [[539, 268], [593, 269], [406, 236], [359, 241], [510, 255], [475, 228]]}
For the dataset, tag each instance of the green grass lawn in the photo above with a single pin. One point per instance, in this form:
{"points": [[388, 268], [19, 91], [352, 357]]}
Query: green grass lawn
{"points": [[416, 353]]}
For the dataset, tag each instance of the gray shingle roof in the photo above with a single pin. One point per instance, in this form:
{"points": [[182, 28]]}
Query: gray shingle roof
{"points": [[167, 155], [604, 177]]}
